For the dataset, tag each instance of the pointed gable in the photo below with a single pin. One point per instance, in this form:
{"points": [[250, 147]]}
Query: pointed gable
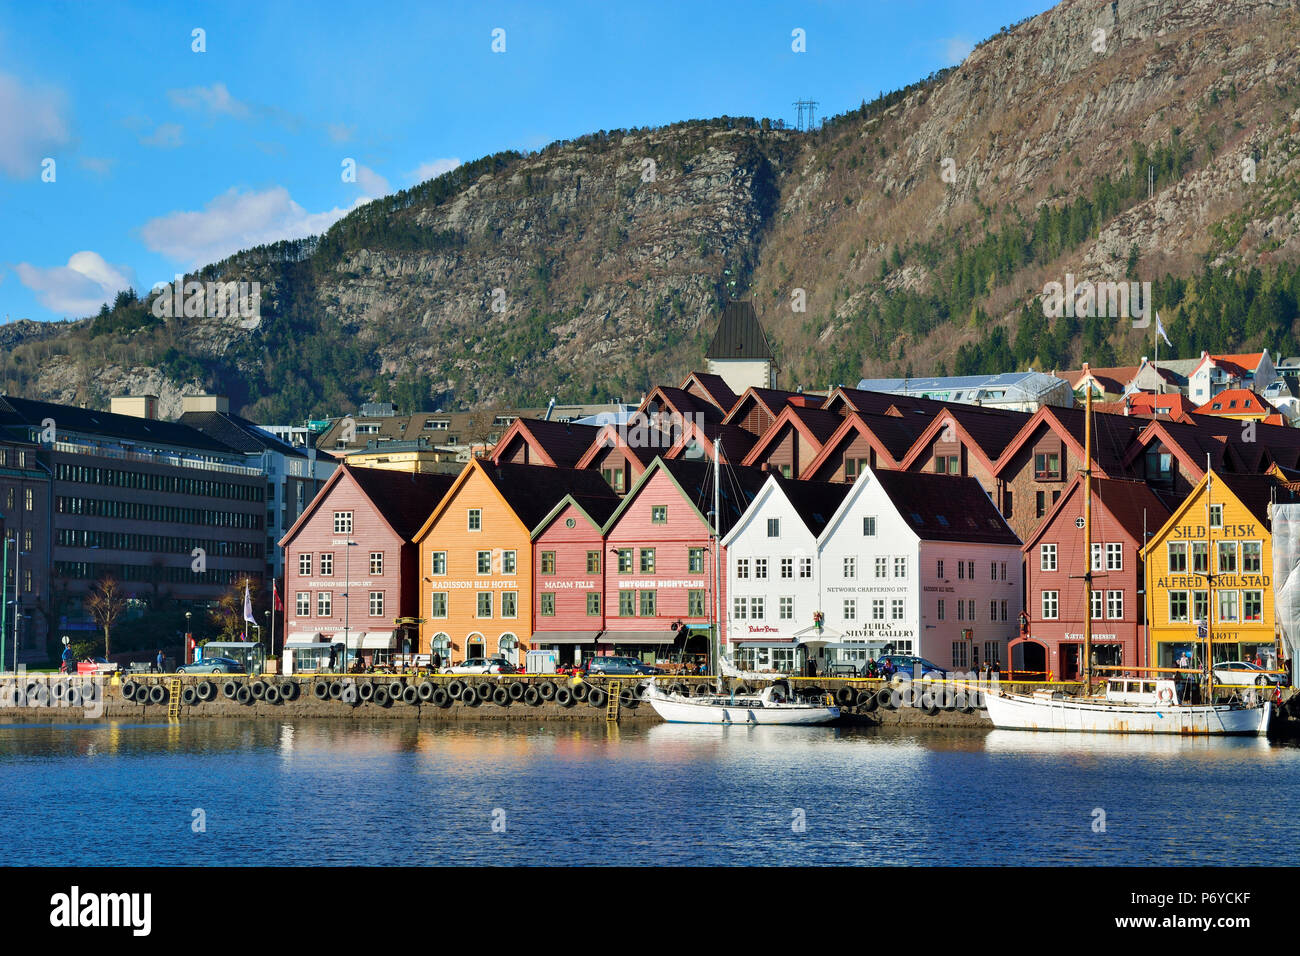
{"points": [[404, 500], [740, 335], [711, 388]]}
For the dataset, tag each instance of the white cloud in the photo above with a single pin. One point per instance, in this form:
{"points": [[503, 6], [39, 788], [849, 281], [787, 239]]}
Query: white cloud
{"points": [[431, 170], [372, 184], [99, 165], [232, 221], [80, 287], [340, 132], [956, 49], [165, 136], [32, 126], [215, 99]]}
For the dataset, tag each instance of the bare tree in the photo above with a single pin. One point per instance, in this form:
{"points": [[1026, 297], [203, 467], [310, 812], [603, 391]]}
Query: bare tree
{"points": [[106, 602]]}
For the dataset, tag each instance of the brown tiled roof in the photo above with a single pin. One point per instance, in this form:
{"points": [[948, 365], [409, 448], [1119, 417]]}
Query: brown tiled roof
{"points": [[821, 423], [992, 429], [814, 501], [564, 442], [1128, 501], [946, 507], [533, 490], [405, 499], [717, 388]]}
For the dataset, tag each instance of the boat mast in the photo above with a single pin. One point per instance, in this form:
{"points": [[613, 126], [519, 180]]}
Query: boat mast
{"points": [[1087, 540], [715, 632], [1209, 585]]}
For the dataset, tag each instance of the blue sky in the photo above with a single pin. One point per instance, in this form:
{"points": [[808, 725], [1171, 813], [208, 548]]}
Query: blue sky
{"points": [[165, 158]]}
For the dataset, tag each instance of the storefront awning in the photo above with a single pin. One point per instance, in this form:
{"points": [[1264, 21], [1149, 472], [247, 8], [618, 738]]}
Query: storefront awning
{"points": [[372, 641], [297, 643], [638, 637], [763, 639], [564, 637]]}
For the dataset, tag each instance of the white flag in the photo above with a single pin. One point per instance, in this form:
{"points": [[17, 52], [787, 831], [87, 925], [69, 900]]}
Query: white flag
{"points": [[248, 606], [1160, 330]]}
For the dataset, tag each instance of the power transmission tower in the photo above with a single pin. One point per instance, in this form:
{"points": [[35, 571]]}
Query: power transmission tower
{"points": [[806, 111]]}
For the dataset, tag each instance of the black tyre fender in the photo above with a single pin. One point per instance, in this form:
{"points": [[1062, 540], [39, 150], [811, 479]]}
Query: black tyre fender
{"points": [[158, 694], [188, 696], [230, 689], [410, 695], [579, 692], [532, 697], [205, 690], [484, 691], [271, 695], [366, 690], [516, 690], [128, 690], [289, 690], [845, 696], [395, 690], [258, 689], [440, 698], [468, 697], [320, 689], [885, 698], [564, 697], [501, 697], [336, 690], [597, 697], [547, 690], [700, 689], [425, 691], [381, 696], [455, 689], [244, 695]]}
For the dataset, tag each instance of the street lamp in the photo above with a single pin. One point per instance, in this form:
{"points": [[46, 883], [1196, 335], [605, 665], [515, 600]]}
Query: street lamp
{"points": [[189, 638], [347, 597]]}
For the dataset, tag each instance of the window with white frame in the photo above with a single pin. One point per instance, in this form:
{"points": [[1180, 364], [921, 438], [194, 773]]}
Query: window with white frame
{"points": [[940, 609], [959, 658], [484, 565], [304, 564], [474, 520], [742, 568], [438, 604], [882, 567], [850, 609], [805, 567], [303, 608], [1115, 605], [1114, 557], [938, 568], [878, 609], [760, 569], [343, 522], [869, 526], [740, 608], [1177, 557], [850, 567], [376, 603], [376, 562], [327, 565], [324, 604], [896, 609], [774, 527], [900, 567], [509, 561], [438, 562], [785, 608], [1047, 556], [1098, 604], [787, 567], [758, 608], [1051, 604], [483, 605], [509, 603]]}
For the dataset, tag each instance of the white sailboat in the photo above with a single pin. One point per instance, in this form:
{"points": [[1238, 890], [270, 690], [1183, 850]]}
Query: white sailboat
{"points": [[768, 707], [772, 706], [1127, 705]]}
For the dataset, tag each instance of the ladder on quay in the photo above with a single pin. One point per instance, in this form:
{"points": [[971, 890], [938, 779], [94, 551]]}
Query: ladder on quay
{"points": [[614, 690], [174, 699]]}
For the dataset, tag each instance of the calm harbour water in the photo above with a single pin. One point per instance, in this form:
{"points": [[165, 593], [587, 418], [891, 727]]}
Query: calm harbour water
{"points": [[335, 792]]}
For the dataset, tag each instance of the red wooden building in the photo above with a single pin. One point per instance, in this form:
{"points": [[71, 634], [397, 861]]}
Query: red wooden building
{"points": [[1051, 639]]}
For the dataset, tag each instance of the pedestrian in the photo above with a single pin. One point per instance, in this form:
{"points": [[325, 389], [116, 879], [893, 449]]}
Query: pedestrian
{"points": [[161, 662], [436, 662], [334, 658]]}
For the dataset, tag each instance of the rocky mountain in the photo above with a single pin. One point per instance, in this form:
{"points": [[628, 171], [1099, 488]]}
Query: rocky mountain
{"points": [[1147, 140]]}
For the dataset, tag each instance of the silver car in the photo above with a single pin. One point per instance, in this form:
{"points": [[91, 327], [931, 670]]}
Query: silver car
{"points": [[482, 665], [1245, 674]]}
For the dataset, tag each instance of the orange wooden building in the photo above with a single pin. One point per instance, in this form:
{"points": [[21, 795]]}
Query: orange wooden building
{"points": [[476, 564]]}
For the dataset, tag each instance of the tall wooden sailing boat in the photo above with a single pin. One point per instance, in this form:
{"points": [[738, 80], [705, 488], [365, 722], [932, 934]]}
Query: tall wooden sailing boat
{"points": [[1145, 704]]}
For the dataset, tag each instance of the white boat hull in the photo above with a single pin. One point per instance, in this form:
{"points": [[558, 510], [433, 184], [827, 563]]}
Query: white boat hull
{"points": [[741, 710], [1017, 712]]}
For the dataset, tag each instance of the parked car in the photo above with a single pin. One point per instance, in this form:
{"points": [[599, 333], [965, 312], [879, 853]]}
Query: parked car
{"points": [[1244, 673], [482, 665], [906, 666], [98, 665], [212, 665], [619, 666]]}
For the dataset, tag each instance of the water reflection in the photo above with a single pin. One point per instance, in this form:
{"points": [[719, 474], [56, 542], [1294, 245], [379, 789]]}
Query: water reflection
{"points": [[416, 792]]}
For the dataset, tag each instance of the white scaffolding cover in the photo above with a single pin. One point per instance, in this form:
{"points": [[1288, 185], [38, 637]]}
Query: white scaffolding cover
{"points": [[1286, 575]]}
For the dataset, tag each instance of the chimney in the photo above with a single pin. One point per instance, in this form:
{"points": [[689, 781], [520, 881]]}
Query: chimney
{"points": [[137, 406], [205, 403]]}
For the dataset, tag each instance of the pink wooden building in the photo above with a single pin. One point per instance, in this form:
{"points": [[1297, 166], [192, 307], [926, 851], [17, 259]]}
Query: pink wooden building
{"points": [[351, 571], [659, 579]]}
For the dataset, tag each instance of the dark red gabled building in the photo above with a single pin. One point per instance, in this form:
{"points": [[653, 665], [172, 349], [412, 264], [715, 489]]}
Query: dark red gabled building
{"points": [[1051, 638]]}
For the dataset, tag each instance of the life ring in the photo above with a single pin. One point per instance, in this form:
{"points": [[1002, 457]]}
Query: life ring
{"points": [[1166, 695]]}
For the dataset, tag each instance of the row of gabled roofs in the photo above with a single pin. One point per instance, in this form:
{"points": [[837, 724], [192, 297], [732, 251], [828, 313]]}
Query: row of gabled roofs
{"points": [[900, 429]]}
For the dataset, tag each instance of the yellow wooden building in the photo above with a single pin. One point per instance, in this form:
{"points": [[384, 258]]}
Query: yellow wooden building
{"points": [[1211, 565]]}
